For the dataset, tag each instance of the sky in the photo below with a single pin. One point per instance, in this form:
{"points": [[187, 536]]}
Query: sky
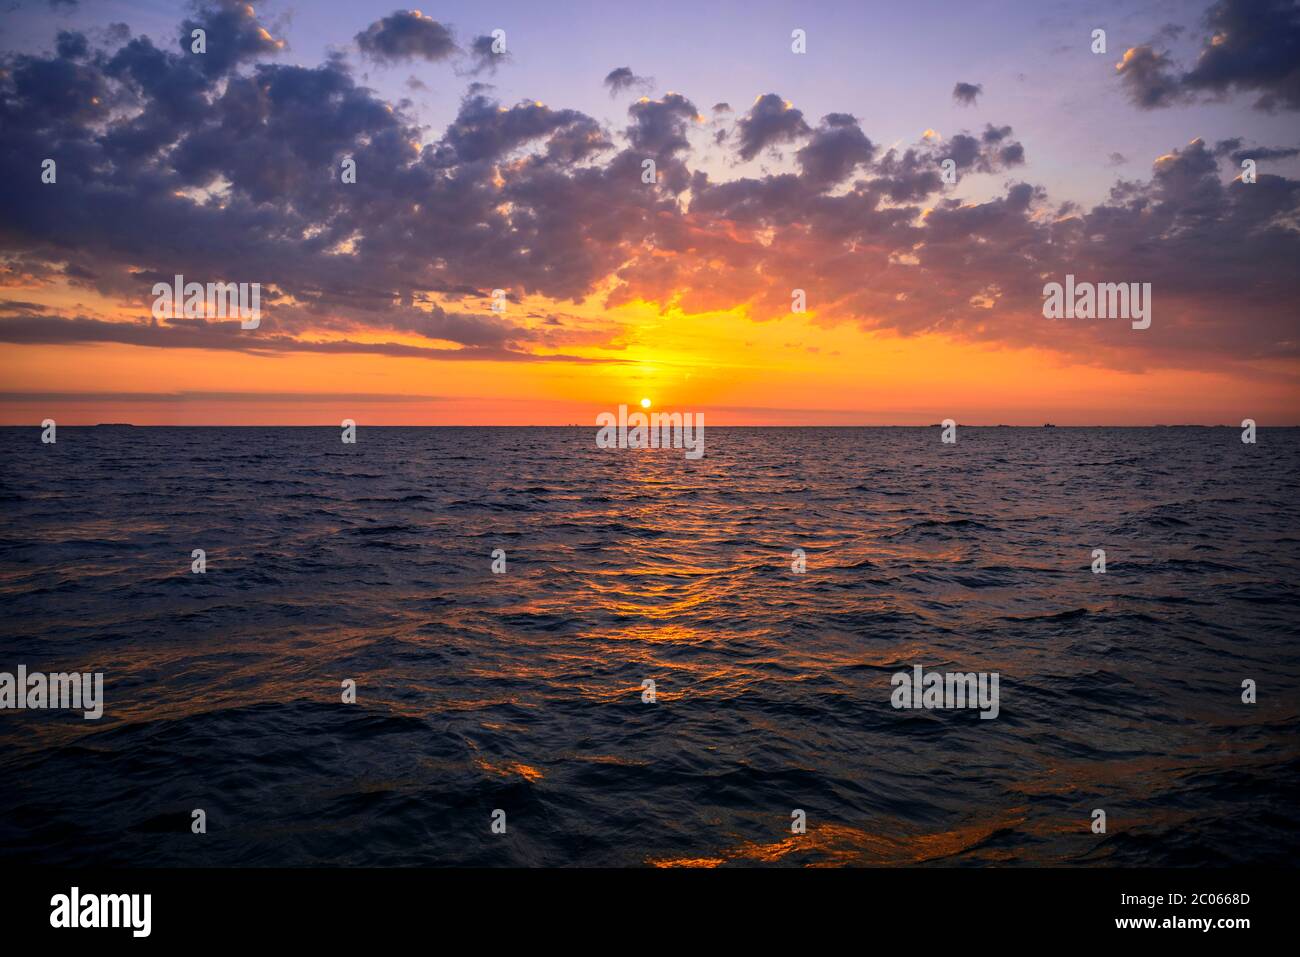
{"points": [[797, 256]]}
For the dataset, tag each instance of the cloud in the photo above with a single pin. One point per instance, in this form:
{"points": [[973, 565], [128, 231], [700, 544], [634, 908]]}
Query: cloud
{"points": [[484, 130], [406, 35], [622, 79], [770, 121], [71, 45], [1250, 46], [1148, 78], [485, 58], [1253, 46], [216, 335], [659, 126], [234, 36], [17, 306], [965, 93], [1235, 151], [195, 396], [910, 175], [836, 148]]}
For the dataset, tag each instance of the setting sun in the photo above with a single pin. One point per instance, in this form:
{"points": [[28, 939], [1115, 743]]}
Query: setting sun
{"points": [[645, 403]]}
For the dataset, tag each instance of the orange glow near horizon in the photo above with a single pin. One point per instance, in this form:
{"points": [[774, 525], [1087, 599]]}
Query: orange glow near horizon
{"points": [[791, 370]]}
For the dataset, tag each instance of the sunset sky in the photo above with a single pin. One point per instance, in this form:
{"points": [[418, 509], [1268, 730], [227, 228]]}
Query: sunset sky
{"points": [[776, 171]]}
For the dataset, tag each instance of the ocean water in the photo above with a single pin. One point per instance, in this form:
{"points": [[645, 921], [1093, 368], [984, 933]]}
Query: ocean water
{"points": [[522, 691]]}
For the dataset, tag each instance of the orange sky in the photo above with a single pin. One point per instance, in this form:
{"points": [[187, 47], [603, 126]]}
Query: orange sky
{"points": [[737, 371]]}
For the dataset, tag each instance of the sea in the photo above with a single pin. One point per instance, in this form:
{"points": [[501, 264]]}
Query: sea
{"points": [[562, 655]]}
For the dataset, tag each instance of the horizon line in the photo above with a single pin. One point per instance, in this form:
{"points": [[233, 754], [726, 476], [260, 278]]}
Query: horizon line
{"points": [[508, 425]]}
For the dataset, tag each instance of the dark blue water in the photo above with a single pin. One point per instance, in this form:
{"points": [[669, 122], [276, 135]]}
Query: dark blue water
{"points": [[522, 691]]}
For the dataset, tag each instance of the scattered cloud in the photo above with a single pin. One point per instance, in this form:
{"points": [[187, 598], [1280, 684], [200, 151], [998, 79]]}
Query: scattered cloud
{"points": [[407, 35], [622, 80]]}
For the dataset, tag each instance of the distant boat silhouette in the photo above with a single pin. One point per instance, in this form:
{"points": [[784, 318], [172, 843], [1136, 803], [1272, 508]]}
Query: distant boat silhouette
{"points": [[1048, 425]]}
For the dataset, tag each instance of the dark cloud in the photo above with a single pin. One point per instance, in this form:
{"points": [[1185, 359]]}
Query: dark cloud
{"points": [[406, 35], [991, 151], [658, 131], [836, 148], [71, 45], [485, 59], [205, 334], [1254, 47], [1250, 46], [483, 130], [771, 120], [1013, 154], [292, 122], [55, 93], [1149, 79], [19, 307], [622, 79], [234, 36], [1261, 153], [659, 126], [965, 93], [195, 396], [1233, 149]]}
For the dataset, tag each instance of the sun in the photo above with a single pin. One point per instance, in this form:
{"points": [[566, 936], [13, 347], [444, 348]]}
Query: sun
{"points": [[645, 403]]}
